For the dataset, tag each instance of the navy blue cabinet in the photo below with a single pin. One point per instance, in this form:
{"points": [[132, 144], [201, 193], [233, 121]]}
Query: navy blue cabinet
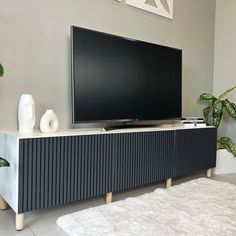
{"points": [[195, 150], [59, 170]]}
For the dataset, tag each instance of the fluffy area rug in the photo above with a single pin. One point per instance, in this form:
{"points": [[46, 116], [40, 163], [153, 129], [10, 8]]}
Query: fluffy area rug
{"points": [[198, 207]]}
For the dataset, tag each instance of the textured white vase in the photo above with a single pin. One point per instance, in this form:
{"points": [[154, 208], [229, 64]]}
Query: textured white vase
{"points": [[49, 122], [26, 113]]}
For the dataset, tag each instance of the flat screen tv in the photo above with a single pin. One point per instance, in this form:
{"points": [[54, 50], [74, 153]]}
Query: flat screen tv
{"points": [[122, 79]]}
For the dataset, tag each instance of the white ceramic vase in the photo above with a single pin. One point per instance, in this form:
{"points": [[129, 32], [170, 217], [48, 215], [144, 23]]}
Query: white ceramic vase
{"points": [[49, 122], [26, 113]]}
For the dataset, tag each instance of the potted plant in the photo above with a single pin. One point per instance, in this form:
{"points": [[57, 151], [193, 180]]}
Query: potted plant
{"points": [[3, 162], [226, 154]]}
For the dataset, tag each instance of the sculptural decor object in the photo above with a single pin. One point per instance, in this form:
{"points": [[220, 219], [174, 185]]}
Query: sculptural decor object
{"points": [[26, 113], [49, 122]]}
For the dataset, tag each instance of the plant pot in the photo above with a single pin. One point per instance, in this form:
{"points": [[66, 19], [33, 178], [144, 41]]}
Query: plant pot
{"points": [[225, 163]]}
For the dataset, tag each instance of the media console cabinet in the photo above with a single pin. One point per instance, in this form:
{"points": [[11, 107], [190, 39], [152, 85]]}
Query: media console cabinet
{"points": [[52, 169]]}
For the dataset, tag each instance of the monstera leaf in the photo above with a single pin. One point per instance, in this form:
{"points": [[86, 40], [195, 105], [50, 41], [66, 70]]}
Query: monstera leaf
{"points": [[4, 162], [1, 70]]}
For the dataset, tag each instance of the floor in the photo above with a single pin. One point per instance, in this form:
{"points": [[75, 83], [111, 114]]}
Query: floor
{"points": [[43, 222]]}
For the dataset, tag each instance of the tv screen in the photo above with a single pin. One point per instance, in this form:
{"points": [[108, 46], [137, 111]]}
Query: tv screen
{"points": [[117, 79]]}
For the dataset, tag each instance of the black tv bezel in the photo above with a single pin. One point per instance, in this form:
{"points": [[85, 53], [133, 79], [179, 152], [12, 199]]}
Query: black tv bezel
{"points": [[114, 120]]}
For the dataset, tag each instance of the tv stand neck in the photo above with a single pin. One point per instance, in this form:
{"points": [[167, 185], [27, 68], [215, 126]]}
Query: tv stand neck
{"points": [[128, 126], [136, 124]]}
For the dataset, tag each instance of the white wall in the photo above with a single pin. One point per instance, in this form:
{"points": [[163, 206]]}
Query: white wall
{"points": [[225, 58], [35, 48]]}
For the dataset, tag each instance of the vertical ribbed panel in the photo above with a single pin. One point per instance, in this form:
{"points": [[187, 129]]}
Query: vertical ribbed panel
{"points": [[60, 170], [195, 150], [142, 158]]}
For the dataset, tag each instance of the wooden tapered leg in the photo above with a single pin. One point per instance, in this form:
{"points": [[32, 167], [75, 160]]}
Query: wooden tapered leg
{"points": [[168, 182], [209, 173], [3, 204], [109, 197], [19, 221]]}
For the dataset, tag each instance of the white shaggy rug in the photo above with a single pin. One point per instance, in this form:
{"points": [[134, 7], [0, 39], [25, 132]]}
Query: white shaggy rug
{"points": [[198, 207]]}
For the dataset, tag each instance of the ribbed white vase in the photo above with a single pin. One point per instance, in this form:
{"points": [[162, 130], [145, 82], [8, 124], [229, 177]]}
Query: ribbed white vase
{"points": [[26, 113], [49, 122]]}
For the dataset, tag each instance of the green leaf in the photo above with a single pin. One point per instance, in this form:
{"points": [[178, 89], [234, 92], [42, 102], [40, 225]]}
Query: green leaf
{"points": [[228, 145], [217, 106], [226, 93], [224, 139], [219, 145], [1, 70], [217, 113], [4, 162], [206, 112], [230, 108], [207, 96], [234, 105], [216, 120]]}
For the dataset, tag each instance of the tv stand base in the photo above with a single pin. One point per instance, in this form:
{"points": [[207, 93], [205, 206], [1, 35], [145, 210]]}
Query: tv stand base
{"points": [[115, 127]]}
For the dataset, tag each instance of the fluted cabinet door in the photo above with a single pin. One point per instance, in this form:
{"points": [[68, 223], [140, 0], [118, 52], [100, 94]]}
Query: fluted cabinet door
{"points": [[195, 150], [142, 158], [60, 170]]}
